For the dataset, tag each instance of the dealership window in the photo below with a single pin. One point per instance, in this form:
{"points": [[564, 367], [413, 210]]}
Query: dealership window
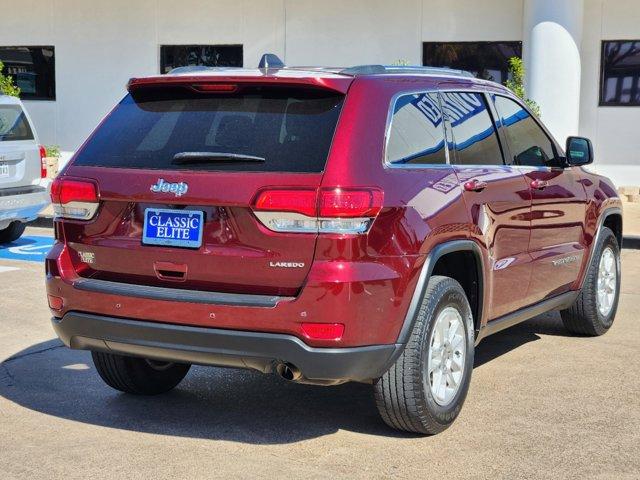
{"points": [[172, 56], [33, 70], [488, 60], [620, 75]]}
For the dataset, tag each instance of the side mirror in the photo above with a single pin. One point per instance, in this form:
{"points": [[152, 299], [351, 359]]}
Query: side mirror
{"points": [[579, 151]]}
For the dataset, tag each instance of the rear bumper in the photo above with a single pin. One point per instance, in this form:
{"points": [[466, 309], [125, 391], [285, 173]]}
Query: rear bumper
{"points": [[218, 347], [22, 203]]}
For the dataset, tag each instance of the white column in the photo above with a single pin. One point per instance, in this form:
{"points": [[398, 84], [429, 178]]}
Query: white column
{"points": [[551, 51]]}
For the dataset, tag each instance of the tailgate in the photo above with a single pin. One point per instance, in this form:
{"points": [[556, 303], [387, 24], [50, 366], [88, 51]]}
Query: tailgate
{"points": [[183, 154]]}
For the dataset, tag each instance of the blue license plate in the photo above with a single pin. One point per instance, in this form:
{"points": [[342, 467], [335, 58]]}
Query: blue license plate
{"points": [[175, 228]]}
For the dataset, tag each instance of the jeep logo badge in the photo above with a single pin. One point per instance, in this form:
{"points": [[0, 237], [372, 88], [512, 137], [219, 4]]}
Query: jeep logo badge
{"points": [[178, 189]]}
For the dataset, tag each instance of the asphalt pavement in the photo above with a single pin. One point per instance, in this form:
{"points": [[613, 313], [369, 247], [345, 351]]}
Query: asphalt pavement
{"points": [[542, 404]]}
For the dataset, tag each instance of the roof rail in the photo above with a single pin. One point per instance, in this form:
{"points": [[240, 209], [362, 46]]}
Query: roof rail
{"points": [[409, 69]]}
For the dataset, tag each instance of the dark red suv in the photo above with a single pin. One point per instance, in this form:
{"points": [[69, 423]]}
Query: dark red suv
{"points": [[368, 224]]}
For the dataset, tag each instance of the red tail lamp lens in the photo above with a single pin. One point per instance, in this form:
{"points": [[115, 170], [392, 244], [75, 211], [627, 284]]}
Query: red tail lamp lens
{"points": [[323, 331], [43, 162], [350, 203], [64, 191], [298, 201]]}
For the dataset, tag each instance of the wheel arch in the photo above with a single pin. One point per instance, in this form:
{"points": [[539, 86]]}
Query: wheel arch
{"points": [[433, 265], [612, 219]]}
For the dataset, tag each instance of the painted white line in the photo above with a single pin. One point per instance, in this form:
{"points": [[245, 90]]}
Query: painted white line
{"points": [[7, 269]]}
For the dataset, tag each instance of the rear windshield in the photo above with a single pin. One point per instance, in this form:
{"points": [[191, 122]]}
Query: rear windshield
{"points": [[14, 124], [268, 129]]}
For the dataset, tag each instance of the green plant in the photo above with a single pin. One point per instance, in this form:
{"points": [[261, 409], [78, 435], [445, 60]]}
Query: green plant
{"points": [[7, 87], [401, 62], [516, 83], [52, 151]]}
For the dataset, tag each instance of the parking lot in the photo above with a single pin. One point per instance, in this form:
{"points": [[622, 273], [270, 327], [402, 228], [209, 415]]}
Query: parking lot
{"points": [[542, 404]]}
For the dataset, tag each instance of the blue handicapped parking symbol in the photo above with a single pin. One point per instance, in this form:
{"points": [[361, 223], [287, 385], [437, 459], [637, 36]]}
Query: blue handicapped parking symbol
{"points": [[29, 248]]}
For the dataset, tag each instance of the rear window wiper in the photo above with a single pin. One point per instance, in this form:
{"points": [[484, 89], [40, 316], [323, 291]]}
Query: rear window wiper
{"points": [[183, 158]]}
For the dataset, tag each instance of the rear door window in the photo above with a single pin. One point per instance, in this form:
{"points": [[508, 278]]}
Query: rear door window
{"points": [[270, 129], [528, 143], [473, 129], [416, 134], [14, 124]]}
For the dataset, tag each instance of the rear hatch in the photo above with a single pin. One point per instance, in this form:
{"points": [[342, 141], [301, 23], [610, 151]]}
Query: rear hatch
{"points": [[178, 169], [20, 163]]}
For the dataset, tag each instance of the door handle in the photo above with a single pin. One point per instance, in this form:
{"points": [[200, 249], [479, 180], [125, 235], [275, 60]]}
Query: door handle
{"points": [[474, 186], [539, 184]]}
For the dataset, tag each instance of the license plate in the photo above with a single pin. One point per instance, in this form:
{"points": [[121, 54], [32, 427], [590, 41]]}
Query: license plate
{"points": [[174, 228], [4, 169]]}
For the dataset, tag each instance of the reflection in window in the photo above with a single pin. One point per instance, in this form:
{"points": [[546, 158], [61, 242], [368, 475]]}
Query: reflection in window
{"points": [[13, 124], [416, 135], [529, 144], [32, 69], [488, 60], [473, 130], [172, 56], [620, 83]]}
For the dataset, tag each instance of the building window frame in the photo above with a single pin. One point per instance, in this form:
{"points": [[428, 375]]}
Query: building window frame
{"points": [[601, 84], [513, 43], [163, 52], [51, 83]]}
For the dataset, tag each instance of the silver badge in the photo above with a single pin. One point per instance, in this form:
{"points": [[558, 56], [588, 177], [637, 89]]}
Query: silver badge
{"points": [[178, 189]]}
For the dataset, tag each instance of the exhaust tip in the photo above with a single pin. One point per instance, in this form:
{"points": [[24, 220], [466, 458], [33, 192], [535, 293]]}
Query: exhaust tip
{"points": [[288, 371]]}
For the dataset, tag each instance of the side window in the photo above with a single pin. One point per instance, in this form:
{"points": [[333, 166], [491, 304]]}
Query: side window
{"points": [[416, 136], [474, 132], [528, 143]]}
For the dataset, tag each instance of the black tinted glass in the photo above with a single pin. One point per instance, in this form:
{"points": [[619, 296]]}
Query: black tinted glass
{"points": [[291, 129], [14, 124], [473, 130], [172, 56], [528, 143], [620, 84], [32, 69], [416, 135], [488, 60]]}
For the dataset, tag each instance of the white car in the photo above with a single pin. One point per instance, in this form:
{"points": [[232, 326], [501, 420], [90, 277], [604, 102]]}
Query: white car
{"points": [[23, 183]]}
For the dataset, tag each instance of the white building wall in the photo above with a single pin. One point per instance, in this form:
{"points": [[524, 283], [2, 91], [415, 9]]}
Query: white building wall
{"points": [[615, 131], [100, 45]]}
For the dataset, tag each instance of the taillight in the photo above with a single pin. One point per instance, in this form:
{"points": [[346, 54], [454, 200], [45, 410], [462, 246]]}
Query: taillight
{"points": [[74, 198], [328, 210], [43, 162]]}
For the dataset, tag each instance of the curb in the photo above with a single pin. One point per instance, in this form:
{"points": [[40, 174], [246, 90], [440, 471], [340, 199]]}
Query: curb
{"points": [[631, 242]]}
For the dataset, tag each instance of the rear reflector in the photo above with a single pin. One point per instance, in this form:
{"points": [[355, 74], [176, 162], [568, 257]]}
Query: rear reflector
{"points": [[328, 210], [55, 303], [43, 162], [323, 331], [74, 198]]}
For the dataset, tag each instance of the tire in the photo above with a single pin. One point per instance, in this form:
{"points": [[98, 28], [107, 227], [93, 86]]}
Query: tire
{"points": [[404, 394], [13, 232], [585, 317], [138, 376]]}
